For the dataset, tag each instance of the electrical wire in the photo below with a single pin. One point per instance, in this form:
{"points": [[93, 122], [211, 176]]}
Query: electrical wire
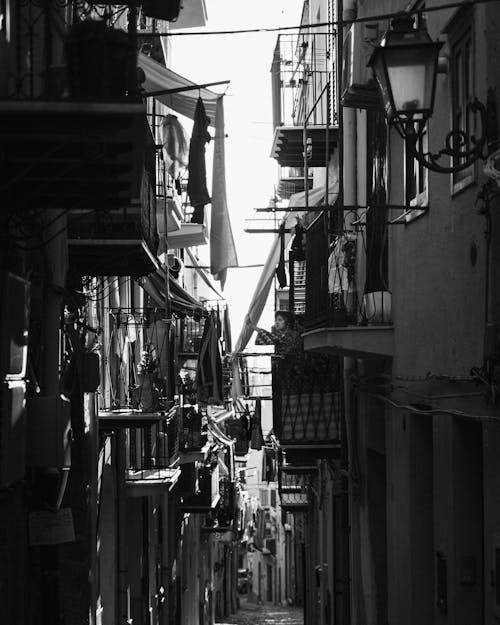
{"points": [[341, 23]]}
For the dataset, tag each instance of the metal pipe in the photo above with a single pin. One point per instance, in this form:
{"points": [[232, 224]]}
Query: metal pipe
{"points": [[121, 509]]}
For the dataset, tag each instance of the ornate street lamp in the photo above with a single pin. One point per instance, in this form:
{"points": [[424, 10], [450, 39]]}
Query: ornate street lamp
{"points": [[405, 66]]}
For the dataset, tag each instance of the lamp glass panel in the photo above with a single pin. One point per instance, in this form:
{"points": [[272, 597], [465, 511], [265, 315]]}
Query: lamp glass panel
{"points": [[382, 78], [411, 74]]}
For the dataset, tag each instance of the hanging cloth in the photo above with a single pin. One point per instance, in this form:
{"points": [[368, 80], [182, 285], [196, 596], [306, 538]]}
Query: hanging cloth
{"points": [[227, 331], [280, 269], [256, 437], [209, 382], [175, 141], [197, 182]]}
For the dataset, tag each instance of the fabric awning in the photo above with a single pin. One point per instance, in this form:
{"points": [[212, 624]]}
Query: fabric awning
{"points": [[159, 77], [181, 301]]}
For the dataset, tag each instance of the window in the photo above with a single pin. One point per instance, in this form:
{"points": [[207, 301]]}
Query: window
{"points": [[416, 175], [462, 90], [416, 182]]}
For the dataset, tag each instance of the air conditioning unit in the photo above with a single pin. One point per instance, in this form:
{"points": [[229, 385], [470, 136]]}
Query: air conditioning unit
{"points": [[12, 431], [358, 86], [49, 432], [14, 322]]}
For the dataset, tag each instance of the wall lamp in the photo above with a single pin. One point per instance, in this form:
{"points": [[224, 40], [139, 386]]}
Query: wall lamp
{"points": [[405, 65]]}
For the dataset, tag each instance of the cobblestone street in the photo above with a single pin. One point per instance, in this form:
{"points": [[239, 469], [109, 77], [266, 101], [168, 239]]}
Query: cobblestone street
{"points": [[267, 614]]}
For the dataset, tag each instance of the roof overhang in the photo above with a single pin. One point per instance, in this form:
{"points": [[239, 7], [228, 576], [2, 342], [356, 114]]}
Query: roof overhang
{"points": [[288, 145], [142, 483]]}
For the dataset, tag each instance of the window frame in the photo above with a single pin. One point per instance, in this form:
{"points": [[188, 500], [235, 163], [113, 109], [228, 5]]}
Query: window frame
{"points": [[417, 203], [461, 44]]}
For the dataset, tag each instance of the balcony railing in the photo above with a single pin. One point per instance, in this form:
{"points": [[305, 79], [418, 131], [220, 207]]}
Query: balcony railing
{"points": [[40, 34], [152, 449], [307, 403], [302, 68], [346, 265]]}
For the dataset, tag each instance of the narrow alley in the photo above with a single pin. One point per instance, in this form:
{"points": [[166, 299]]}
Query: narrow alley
{"points": [[254, 614], [249, 312]]}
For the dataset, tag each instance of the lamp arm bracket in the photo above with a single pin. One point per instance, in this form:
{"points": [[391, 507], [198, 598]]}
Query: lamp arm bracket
{"points": [[460, 146]]}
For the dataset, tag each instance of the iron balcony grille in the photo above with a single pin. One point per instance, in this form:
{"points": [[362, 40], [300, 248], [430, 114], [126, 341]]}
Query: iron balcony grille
{"points": [[307, 402], [302, 67], [152, 449], [341, 246]]}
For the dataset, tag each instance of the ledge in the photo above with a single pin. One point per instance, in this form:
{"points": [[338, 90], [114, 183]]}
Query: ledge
{"points": [[288, 145], [112, 419], [200, 455], [142, 483], [357, 341]]}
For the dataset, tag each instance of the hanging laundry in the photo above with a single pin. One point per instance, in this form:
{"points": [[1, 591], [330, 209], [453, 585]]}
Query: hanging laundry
{"points": [[256, 437], [175, 142], [227, 331], [197, 182], [280, 269], [209, 383]]}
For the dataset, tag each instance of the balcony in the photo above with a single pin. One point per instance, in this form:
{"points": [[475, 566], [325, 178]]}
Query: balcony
{"points": [[113, 242], [293, 485], [307, 405], [304, 99], [223, 517], [207, 497], [151, 449], [291, 181], [348, 303], [179, 231], [72, 136]]}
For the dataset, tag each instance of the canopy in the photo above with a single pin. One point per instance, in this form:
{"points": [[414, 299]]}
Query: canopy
{"points": [[159, 77], [181, 301]]}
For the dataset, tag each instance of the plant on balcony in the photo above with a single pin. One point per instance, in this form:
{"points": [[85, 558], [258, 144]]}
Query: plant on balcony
{"points": [[146, 394]]}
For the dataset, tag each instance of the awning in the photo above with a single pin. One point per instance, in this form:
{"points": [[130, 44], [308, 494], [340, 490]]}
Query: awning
{"points": [[181, 301], [159, 77]]}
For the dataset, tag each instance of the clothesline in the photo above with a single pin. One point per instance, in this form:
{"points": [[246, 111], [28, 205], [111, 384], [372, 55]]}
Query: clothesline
{"points": [[341, 23]]}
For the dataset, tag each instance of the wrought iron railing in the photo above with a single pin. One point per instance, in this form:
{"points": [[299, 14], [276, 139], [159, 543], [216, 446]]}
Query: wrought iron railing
{"points": [[152, 449], [302, 69], [307, 401], [135, 221], [346, 252], [134, 358], [45, 55], [293, 489]]}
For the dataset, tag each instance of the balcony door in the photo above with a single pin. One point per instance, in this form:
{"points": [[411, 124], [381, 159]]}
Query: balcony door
{"points": [[376, 193]]}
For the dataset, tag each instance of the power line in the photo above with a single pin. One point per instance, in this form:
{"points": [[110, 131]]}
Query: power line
{"points": [[341, 23]]}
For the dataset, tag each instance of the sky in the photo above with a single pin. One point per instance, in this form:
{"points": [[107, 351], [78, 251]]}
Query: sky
{"points": [[251, 174]]}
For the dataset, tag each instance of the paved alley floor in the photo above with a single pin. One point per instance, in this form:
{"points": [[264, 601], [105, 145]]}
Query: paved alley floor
{"points": [[266, 614]]}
